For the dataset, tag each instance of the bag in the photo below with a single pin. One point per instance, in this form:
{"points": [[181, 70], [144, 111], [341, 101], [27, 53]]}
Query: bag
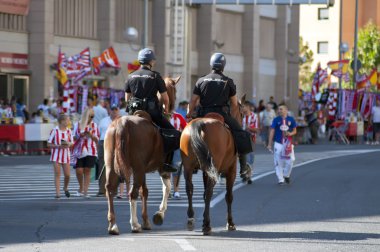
{"points": [[171, 139], [243, 141], [287, 149], [76, 151]]}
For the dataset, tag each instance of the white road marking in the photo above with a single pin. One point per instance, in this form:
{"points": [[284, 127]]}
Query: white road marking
{"points": [[185, 245]]}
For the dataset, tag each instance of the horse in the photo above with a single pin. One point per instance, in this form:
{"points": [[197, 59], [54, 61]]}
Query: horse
{"points": [[207, 144], [134, 146]]}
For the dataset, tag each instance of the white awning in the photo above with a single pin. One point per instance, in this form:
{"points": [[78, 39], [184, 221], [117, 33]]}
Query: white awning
{"points": [[261, 2]]}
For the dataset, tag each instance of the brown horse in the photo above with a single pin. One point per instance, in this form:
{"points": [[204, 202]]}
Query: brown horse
{"points": [[207, 144], [134, 146]]}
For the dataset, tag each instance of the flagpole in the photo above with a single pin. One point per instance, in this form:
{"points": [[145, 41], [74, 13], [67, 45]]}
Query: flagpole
{"points": [[355, 45]]}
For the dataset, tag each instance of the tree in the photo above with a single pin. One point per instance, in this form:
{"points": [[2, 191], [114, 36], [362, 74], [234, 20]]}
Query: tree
{"points": [[369, 47], [305, 71]]}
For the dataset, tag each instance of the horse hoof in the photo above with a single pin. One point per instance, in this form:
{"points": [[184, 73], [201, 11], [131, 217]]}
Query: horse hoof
{"points": [[146, 226], [231, 227], [136, 230], [206, 231], [249, 181], [114, 230], [190, 224], [158, 218]]}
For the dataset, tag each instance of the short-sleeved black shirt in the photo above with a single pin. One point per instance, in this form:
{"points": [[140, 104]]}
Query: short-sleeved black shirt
{"points": [[145, 83], [214, 89]]}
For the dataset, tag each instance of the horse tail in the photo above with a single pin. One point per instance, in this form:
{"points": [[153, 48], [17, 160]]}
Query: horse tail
{"points": [[201, 149], [121, 148]]}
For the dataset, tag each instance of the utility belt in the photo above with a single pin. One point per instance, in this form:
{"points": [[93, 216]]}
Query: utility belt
{"points": [[223, 110], [145, 104]]}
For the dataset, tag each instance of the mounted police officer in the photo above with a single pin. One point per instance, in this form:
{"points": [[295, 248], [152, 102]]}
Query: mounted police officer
{"points": [[216, 92], [141, 93]]}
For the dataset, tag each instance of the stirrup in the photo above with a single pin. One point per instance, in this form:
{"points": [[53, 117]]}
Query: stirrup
{"points": [[169, 168]]}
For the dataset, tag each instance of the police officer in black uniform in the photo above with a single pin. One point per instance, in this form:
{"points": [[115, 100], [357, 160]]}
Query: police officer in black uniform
{"points": [[141, 91], [216, 92]]}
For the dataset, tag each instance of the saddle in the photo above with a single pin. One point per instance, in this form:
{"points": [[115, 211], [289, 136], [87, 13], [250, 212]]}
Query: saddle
{"points": [[171, 137], [242, 138]]}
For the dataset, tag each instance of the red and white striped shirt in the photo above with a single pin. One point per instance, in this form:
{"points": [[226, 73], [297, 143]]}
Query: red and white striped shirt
{"points": [[178, 122], [251, 121], [89, 147], [61, 156]]}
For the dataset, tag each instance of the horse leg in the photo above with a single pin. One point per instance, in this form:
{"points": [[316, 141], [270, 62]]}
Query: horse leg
{"points": [[112, 182], [230, 179], [133, 196], [188, 174], [209, 188], [158, 217], [146, 224]]}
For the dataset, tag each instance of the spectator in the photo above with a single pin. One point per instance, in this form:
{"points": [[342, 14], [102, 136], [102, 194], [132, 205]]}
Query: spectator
{"points": [[261, 106], [266, 118], [60, 141], [250, 123], [282, 129], [21, 110], [103, 126], [179, 123], [87, 131], [123, 108], [312, 121], [44, 107], [273, 103], [182, 108], [375, 119], [100, 111]]}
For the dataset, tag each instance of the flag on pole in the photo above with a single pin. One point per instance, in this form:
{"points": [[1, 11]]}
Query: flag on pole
{"points": [[319, 77], [373, 77], [61, 73], [362, 81], [135, 65], [339, 68], [107, 59], [79, 65]]}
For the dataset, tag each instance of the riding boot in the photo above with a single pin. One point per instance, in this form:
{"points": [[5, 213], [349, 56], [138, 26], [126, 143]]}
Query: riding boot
{"points": [[243, 165], [168, 161]]}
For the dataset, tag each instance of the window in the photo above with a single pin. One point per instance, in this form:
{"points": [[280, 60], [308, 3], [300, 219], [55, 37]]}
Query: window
{"points": [[75, 18], [323, 13], [228, 42], [12, 22], [323, 47], [267, 38]]}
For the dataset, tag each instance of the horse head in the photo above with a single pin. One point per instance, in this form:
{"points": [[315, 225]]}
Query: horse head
{"points": [[171, 84], [239, 114]]}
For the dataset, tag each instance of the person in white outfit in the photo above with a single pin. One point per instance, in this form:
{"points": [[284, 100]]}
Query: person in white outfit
{"points": [[375, 119], [282, 129]]}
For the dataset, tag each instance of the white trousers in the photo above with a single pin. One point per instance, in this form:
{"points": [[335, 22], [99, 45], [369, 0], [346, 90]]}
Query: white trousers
{"points": [[282, 166]]}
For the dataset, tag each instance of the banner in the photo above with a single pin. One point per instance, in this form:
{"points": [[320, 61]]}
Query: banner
{"points": [[107, 59], [18, 7]]}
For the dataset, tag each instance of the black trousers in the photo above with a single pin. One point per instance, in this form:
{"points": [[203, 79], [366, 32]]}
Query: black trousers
{"points": [[159, 119]]}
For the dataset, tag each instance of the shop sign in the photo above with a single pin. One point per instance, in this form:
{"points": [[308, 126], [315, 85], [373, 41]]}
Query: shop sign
{"points": [[14, 60]]}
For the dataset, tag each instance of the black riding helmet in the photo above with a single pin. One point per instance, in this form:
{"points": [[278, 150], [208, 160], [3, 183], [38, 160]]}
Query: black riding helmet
{"points": [[145, 56], [218, 61]]}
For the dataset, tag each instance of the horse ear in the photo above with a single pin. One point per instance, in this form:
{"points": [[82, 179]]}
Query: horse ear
{"points": [[242, 100], [176, 80]]}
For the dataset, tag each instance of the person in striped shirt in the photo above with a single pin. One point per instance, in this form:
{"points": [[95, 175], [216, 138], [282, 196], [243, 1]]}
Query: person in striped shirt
{"points": [[59, 141], [87, 131], [250, 123], [179, 123]]}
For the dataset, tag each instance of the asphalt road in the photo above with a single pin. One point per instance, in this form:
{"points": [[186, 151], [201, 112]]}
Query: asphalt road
{"points": [[331, 205]]}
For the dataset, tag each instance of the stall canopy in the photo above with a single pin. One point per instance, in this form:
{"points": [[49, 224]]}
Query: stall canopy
{"points": [[268, 2]]}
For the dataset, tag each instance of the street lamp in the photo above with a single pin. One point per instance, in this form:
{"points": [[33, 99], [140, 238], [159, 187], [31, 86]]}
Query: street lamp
{"points": [[343, 48]]}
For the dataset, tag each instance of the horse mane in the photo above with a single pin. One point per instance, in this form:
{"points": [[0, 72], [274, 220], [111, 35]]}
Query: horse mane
{"points": [[170, 86]]}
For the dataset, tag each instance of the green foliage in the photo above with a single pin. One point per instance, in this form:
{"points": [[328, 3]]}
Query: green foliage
{"points": [[369, 47], [305, 71]]}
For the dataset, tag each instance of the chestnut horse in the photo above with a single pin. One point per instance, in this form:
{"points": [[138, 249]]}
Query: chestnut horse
{"points": [[134, 146], [207, 144]]}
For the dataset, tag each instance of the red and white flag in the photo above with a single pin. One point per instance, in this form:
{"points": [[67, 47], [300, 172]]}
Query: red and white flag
{"points": [[319, 77], [79, 65], [107, 59]]}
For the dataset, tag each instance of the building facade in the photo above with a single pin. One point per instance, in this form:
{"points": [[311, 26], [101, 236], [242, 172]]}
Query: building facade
{"points": [[260, 43], [322, 27]]}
